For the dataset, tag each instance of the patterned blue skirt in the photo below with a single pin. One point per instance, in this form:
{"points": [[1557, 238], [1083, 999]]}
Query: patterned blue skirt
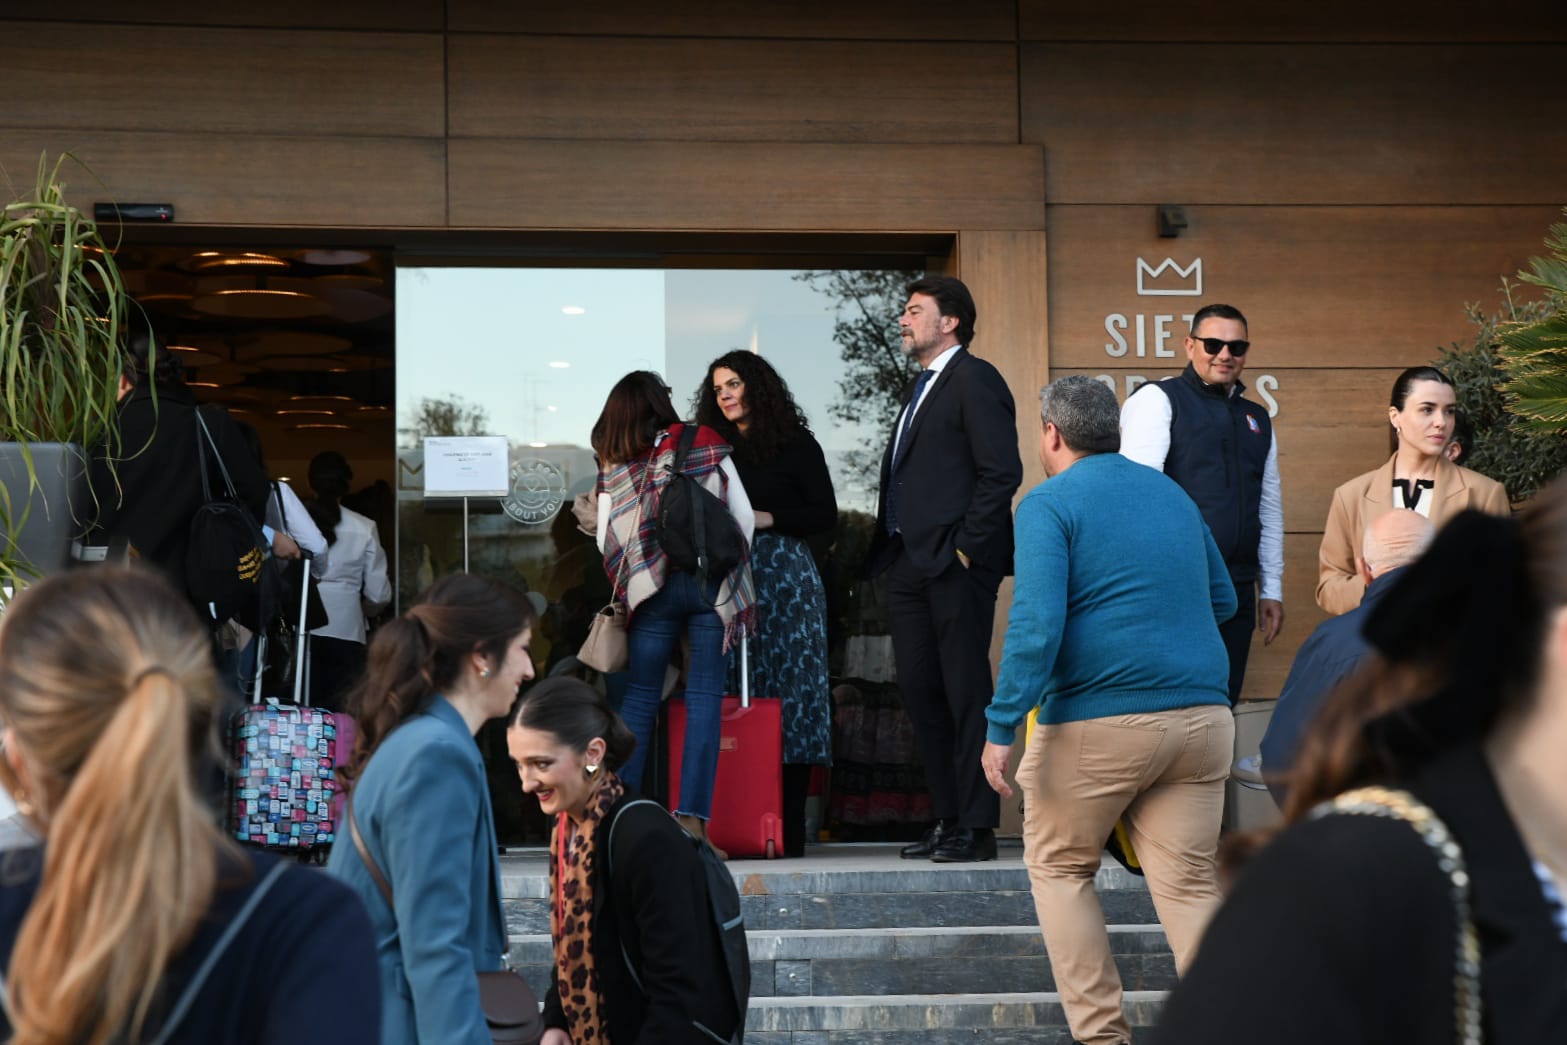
{"points": [[788, 653]]}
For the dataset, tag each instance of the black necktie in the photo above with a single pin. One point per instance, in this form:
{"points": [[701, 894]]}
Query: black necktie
{"points": [[902, 445]]}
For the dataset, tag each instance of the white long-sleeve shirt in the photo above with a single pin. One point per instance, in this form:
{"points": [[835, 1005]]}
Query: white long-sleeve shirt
{"points": [[1145, 438], [355, 580], [293, 519]]}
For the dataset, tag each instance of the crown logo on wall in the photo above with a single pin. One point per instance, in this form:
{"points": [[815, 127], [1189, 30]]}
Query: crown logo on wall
{"points": [[1167, 279]]}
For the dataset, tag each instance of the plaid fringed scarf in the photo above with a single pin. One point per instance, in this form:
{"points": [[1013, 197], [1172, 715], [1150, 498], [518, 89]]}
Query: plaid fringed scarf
{"points": [[634, 489]]}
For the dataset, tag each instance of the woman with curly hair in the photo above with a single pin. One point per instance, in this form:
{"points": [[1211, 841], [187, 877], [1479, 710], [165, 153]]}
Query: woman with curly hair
{"points": [[784, 471]]}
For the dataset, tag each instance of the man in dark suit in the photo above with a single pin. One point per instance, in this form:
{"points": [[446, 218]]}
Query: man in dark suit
{"points": [[944, 539]]}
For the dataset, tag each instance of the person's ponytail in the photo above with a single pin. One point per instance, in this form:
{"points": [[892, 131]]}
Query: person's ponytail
{"points": [[413, 657], [399, 680], [108, 688], [129, 871]]}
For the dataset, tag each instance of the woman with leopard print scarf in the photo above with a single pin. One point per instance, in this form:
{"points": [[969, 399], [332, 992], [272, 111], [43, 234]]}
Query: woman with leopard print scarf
{"points": [[648, 920]]}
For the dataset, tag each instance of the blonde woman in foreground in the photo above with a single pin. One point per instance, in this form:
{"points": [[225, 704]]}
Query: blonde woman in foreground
{"points": [[137, 919]]}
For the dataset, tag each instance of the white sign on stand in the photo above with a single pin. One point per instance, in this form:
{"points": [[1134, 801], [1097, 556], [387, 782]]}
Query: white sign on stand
{"points": [[466, 466]]}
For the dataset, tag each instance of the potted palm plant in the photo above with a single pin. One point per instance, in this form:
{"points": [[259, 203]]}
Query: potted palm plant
{"points": [[63, 312]]}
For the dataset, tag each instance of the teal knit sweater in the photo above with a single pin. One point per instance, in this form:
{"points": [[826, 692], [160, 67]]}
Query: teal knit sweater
{"points": [[1119, 594]]}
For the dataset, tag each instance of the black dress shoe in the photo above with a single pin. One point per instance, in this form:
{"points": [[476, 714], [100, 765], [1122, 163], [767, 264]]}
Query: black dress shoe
{"points": [[926, 847], [965, 845]]}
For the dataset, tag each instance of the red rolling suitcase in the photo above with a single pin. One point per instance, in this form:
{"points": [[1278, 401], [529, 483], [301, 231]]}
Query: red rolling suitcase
{"points": [[748, 793]]}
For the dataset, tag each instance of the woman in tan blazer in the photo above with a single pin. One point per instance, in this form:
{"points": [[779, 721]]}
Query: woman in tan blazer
{"points": [[1418, 476]]}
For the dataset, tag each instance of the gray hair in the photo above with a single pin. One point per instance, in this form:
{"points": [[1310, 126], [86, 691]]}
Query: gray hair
{"points": [[1084, 411]]}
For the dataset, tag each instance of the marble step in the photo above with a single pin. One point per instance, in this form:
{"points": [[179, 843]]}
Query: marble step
{"points": [[957, 960], [857, 888], [994, 1019]]}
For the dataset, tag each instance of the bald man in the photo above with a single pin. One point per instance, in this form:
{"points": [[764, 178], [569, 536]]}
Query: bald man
{"points": [[1391, 542]]}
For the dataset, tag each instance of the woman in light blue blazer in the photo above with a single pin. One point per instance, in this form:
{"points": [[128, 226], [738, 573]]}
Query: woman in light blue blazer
{"points": [[421, 805]]}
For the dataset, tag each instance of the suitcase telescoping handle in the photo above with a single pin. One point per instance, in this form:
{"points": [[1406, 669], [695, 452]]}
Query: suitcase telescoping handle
{"points": [[745, 673], [302, 695]]}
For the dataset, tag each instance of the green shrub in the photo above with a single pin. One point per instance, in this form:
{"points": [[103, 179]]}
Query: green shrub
{"points": [[1506, 448]]}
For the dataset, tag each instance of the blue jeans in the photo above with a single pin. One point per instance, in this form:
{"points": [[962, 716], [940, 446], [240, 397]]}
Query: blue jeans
{"points": [[681, 605]]}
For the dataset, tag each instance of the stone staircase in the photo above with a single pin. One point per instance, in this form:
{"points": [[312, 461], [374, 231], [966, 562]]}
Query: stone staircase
{"points": [[852, 945]]}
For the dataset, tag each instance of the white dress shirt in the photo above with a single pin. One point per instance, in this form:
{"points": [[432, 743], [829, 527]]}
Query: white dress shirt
{"points": [[935, 368], [294, 520], [354, 581], [1145, 438]]}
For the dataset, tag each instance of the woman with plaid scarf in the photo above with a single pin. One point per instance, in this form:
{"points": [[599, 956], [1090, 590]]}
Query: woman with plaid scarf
{"points": [[635, 439]]}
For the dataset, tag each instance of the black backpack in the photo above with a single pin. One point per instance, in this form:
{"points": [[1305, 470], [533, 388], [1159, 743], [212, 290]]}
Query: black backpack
{"points": [[695, 529], [723, 902], [226, 569]]}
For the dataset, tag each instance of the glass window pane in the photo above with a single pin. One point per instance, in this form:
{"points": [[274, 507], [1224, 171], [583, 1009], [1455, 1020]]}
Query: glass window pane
{"points": [[531, 354]]}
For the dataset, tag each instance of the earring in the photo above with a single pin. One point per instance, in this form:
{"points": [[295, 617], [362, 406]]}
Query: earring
{"points": [[591, 768], [484, 673]]}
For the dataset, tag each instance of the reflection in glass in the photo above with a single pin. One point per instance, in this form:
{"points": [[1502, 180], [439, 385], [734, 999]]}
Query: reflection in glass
{"points": [[531, 353]]}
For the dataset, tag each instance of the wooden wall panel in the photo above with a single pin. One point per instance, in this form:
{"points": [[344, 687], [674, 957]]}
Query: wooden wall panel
{"points": [[722, 186], [275, 14], [1397, 21], [248, 179], [1321, 286], [640, 89], [1213, 123], [230, 81], [801, 19], [1006, 273]]}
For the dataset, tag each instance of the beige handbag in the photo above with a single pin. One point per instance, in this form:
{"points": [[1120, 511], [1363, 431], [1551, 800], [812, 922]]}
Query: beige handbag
{"points": [[606, 649]]}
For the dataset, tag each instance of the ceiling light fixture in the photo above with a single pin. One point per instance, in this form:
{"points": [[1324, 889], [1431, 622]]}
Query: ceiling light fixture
{"points": [[538, 446], [260, 303], [573, 310], [560, 364], [216, 260]]}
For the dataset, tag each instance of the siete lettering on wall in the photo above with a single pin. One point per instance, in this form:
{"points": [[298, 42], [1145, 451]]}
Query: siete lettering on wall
{"points": [[1158, 335], [1262, 387]]}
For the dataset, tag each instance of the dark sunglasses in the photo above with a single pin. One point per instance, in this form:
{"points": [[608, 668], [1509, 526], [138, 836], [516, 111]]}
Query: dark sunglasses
{"points": [[1214, 345]]}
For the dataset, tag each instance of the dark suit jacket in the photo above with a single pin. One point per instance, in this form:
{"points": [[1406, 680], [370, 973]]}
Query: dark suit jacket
{"points": [[154, 490], [657, 909], [1327, 657], [957, 474]]}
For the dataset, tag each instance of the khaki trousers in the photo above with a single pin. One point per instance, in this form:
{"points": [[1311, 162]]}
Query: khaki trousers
{"points": [[1165, 773]]}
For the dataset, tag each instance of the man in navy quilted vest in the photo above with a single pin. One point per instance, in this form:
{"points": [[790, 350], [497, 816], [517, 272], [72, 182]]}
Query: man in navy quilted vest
{"points": [[1200, 430]]}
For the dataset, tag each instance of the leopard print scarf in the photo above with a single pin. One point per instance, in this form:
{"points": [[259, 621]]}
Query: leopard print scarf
{"points": [[572, 860]]}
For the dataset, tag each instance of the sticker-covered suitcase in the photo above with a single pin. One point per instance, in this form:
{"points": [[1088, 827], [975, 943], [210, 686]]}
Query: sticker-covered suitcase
{"points": [[747, 816], [285, 763]]}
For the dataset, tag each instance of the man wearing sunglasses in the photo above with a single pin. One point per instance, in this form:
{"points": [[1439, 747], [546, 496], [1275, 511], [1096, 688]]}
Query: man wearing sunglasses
{"points": [[1200, 430]]}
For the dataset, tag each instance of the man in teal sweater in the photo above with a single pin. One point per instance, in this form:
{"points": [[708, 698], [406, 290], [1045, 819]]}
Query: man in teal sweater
{"points": [[1114, 637]]}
